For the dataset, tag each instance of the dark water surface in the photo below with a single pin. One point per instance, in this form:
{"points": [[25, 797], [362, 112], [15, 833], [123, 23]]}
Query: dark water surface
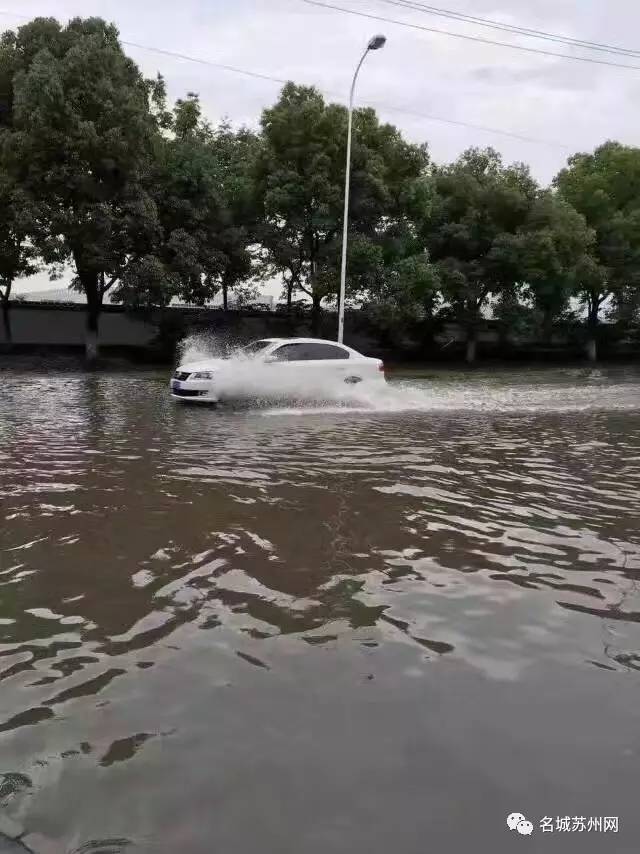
{"points": [[367, 630]]}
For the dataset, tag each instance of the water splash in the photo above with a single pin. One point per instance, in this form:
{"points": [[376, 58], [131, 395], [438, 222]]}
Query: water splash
{"points": [[247, 383], [202, 345], [471, 394], [243, 379]]}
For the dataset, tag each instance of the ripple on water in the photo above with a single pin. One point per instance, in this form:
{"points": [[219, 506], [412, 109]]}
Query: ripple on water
{"points": [[156, 559]]}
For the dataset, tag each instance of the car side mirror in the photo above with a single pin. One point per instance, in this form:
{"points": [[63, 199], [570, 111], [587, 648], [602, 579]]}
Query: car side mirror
{"points": [[269, 359]]}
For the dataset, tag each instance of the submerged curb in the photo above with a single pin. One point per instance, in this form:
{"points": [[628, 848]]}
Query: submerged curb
{"points": [[10, 842], [9, 828], [14, 839]]}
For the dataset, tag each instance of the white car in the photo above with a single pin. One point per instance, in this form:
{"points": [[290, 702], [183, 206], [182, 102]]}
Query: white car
{"points": [[285, 368]]}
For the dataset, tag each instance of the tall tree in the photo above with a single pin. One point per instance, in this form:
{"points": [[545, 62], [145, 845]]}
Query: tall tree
{"points": [[80, 140], [234, 155], [605, 188], [300, 182], [400, 289], [545, 257], [299, 179], [477, 201], [18, 257], [186, 194], [203, 193]]}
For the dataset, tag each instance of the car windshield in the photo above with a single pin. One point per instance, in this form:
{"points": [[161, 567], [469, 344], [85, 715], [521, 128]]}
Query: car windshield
{"points": [[255, 347]]}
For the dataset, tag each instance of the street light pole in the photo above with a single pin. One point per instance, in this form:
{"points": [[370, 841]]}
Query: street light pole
{"points": [[374, 44]]}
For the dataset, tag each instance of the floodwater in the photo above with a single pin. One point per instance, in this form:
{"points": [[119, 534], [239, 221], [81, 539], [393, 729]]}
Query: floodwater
{"points": [[368, 628]]}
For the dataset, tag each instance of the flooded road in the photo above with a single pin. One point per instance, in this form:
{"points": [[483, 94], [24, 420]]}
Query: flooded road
{"points": [[357, 629]]}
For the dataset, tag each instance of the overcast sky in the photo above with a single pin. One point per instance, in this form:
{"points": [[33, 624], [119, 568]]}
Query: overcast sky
{"points": [[572, 105]]}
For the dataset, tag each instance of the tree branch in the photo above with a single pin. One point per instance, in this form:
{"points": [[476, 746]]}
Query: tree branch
{"points": [[484, 293], [110, 283], [114, 278]]}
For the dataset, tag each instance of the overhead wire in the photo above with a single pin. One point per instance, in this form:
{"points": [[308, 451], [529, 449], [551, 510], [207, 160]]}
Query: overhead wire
{"points": [[382, 106], [223, 66], [466, 37], [376, 104], [515, 29]]}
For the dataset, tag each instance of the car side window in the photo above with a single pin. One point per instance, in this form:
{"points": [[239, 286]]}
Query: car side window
{"points": [[326, 351], [288, 353], [309, 352]]}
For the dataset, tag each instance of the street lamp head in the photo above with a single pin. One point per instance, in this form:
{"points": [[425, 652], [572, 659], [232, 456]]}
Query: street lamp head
{"points": [[376, 42]]}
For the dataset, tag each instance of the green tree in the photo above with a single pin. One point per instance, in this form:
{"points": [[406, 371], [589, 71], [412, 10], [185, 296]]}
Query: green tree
{"points": [[17, 213], [300, 184], [477, 201], [544, 258], [80, 140], [234, 155], [401, 290], [202, 188], [605, 188], [402, 300], [516, 317], [184, 259], [18, 257]]}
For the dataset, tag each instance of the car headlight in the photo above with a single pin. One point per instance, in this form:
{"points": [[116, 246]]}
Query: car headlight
{"points": [[202, 375]]}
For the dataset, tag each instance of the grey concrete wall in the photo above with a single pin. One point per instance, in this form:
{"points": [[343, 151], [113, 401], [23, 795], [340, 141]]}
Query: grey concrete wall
{"points": [[154, 334], [60, 325], [57, 325]]}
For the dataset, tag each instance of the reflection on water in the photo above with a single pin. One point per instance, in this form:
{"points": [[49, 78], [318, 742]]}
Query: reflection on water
{"points": [[339, 629]]}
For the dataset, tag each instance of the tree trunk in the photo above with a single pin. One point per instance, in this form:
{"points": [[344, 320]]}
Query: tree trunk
{"points": [[592, 329], [6, 321], [470, 356], [427, 327], [91, 287], [289, 296], [504, 341], [225, 295], [471, 319], [91, 342], [547, 326], [316, 314]]}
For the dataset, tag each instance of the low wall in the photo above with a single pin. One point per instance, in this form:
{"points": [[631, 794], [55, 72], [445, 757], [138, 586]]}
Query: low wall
{"points": [[153, 335], [42, 324], [156, 332]]}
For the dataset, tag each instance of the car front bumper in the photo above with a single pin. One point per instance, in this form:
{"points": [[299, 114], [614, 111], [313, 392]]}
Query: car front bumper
{"points": [[192, 391]]}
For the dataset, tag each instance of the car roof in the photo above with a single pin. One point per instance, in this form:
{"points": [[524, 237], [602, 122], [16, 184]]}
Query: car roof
{"points": [[305, 341], [280, 341]]}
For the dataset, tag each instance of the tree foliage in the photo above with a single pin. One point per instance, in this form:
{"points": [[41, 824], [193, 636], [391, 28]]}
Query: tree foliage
{"points": [[202, 191], [300, 182], [150, 203], [544, 257], [81, 137], [18, 255], [605, 188], [478, 204]]}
